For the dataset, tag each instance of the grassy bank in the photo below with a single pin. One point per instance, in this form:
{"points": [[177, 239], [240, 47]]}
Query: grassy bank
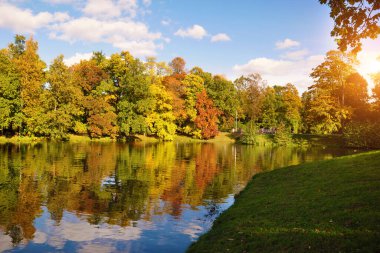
{"points": [[327, 206]]}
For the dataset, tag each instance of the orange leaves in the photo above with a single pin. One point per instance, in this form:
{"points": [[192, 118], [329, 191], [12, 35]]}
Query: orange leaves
{"points": [[207, 116]]}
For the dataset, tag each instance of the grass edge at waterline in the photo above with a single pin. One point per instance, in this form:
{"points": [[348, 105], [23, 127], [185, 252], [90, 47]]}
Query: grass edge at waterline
{"points": [[325, 206]]}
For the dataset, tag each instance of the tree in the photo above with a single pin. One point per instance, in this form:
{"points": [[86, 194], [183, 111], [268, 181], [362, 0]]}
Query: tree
{"points": [[331, 75], [99, 118], [354, 20], [376, 91], [32, 78], [223, 93], [61, 101], [207, 116], [269, 117], [321, 114], [10, 97], [132, 98], [160, 120], [193, 85], [288, 106], [250, 92], [178, 65]]}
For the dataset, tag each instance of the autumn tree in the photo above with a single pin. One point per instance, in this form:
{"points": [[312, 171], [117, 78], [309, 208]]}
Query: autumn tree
{"points": [[223, 94], [193, 85], [250, 93], [178, 65], [32, 78], [207, 116], [354, 20], [160, 120], [99, 117]]}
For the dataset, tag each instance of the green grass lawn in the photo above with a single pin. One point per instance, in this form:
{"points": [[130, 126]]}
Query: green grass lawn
{"points": [[327, 206]]}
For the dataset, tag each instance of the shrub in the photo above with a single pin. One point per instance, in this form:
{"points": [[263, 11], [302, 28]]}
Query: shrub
{"points": [[362, 135], [249, 134], [282, 136]]}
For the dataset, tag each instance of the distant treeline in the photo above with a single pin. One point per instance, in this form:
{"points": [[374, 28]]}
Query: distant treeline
{"points": [[121, 96]]}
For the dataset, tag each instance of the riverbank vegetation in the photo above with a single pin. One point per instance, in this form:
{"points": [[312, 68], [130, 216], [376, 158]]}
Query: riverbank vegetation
{"points": [[326, 206], [120, 97]]}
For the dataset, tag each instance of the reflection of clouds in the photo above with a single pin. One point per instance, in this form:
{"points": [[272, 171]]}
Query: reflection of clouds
{"points": [[77, 229], [5, 242], [85, 232], [193, 230], [96, 247], [39, 237]]}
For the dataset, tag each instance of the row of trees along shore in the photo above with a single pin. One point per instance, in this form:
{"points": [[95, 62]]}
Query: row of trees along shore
{"points": [[121, 96]]}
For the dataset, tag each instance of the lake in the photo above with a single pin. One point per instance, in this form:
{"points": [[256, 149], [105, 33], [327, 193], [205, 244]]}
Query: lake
{"points": [[112, 197]]}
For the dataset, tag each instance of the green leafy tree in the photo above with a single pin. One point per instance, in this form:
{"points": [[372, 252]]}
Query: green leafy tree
{"points": [[288, 106], [269, 118], [354, 20], [132, 98], [10, 97]]}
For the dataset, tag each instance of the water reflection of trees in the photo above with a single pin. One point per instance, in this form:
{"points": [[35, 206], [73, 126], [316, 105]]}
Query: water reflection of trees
{"points": [[118, 184]]}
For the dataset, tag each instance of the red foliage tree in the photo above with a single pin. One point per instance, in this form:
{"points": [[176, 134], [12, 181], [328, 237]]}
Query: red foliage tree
{"points": [[207, 116]]}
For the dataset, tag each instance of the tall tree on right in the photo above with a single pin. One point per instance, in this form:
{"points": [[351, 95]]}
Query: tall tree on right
{"points": [[326, 107], [354, 20]]}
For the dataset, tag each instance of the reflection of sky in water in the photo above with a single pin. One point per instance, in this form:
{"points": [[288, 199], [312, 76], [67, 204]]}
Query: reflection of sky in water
{"points": [[74, 233], [162, 197]]}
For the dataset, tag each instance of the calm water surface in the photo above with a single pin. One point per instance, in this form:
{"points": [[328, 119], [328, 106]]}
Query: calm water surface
{"points": [[125, 198]]}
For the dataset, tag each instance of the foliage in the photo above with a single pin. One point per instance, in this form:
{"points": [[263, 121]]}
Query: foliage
{"points": [[250, 92], [249, 135], [10, 97], [362, 134], [282, 136], [354, 20], [207, 116], [160, 120]]}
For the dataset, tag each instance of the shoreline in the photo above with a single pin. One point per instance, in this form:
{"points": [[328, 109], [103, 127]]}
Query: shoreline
{"points": [[324, 206]]}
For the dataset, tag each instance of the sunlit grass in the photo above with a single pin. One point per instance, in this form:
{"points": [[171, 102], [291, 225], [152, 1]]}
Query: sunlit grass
{"points": [[327, 206]]}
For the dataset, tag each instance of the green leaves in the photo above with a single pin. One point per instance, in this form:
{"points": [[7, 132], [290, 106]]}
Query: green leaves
{"points": [[354, 20]]}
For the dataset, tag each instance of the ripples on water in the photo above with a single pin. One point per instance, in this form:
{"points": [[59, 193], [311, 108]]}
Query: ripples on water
{"points": [[129, 198]]}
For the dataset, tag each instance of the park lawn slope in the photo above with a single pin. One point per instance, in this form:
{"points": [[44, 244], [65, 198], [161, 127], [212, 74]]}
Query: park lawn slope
{"points": [[326, 206]]}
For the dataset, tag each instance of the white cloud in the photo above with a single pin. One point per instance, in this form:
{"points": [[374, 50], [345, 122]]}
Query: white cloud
{"points": [[166, 22], [77, 58], [24, 21], [295, 55], [280, 72], [220, 37], [287, 43], [195, 32], [60, 1], [105, 9], [127, 35]]}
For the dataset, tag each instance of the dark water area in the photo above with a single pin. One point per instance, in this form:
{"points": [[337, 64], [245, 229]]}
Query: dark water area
{"points": [[111, 197]]}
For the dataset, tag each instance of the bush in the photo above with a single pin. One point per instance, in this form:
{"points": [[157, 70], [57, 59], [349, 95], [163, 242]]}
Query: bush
{"points": [[249, 134], [362, 135], [282, 137]]}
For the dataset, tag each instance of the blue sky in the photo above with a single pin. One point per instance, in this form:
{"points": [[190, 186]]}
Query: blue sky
{"points": [[280, 39]]}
